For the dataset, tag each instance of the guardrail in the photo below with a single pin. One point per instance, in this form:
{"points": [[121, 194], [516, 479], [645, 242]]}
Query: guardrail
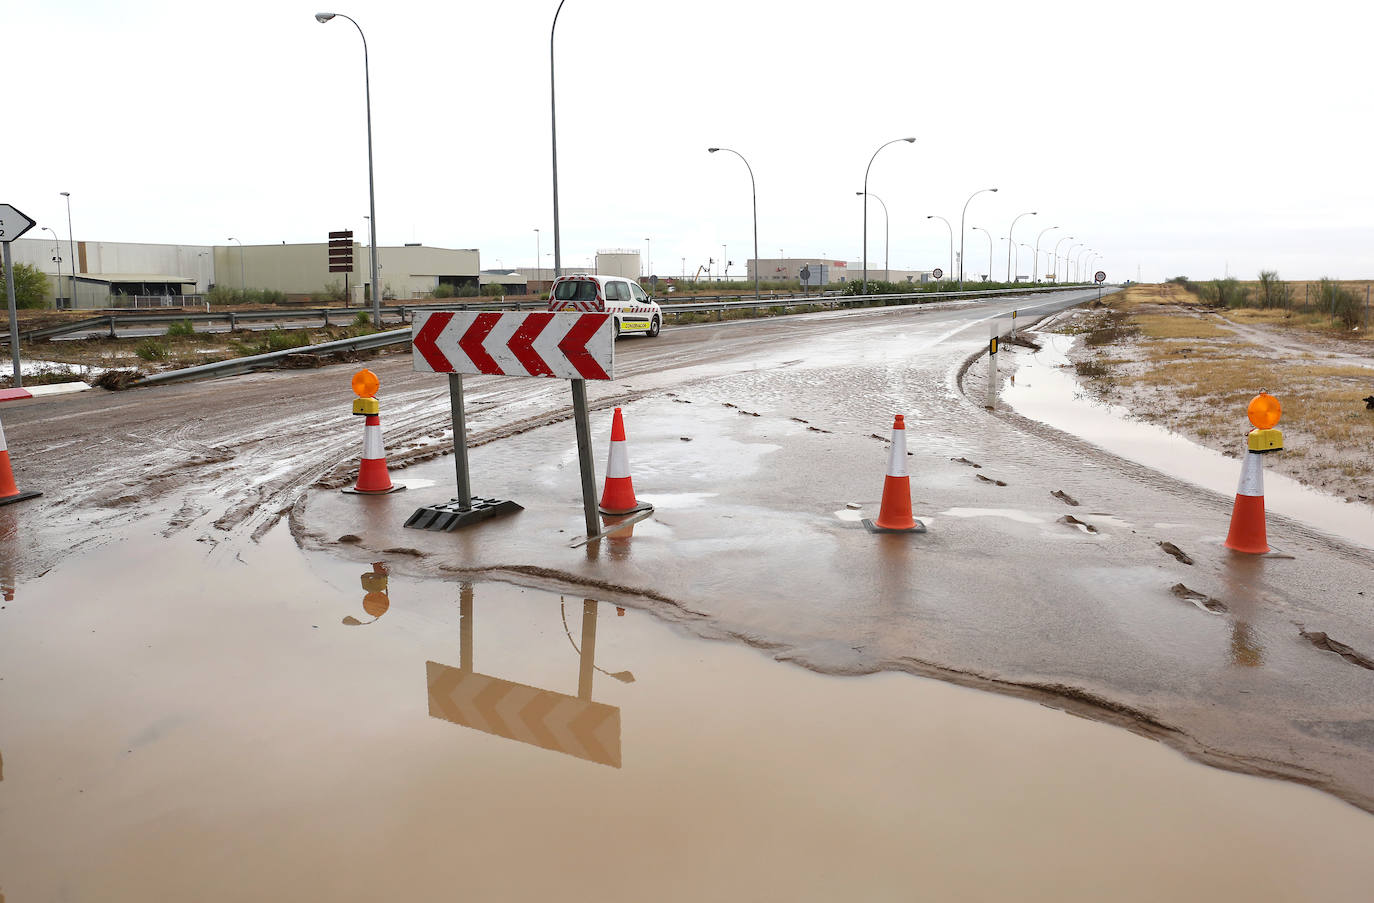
{"points": [[109, 324]]}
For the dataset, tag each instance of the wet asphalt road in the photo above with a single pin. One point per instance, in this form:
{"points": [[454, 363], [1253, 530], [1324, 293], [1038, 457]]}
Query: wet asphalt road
{"points": [[760, 443]]}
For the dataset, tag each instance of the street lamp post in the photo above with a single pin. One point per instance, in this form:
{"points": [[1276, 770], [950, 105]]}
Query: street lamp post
{"points": [[71, 243], [1011, 241], [886, 235], [648, 259], [865, 194], [961, 234], [754, 197], [1056, 256], [371, 192], [57, 258], [989, 235], [1035, 261], [1078, 264], [1068, 258], [553, 136], [242, 280], [950, 272], [538, 262], [1019, 246]]}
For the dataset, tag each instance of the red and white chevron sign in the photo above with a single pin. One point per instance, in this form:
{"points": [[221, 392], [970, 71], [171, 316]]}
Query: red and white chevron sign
{"points": [[577, 727], [519, 343]]}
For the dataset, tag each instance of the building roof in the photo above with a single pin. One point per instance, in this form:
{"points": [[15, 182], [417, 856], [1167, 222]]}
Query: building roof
{"points": [[110, 278]]}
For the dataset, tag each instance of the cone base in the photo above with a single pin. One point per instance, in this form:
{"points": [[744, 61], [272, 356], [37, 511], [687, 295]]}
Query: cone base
{"points": [[874, 528], [639, 506], [20, 497], [354, 490], [446, 518]]}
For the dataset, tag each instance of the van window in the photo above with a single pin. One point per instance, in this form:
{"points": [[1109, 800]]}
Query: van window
{"points": [[640, 295], [615, 291], [575, 290]]}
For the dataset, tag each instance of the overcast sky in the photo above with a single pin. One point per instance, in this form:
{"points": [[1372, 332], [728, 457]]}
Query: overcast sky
{"points": [[1194, 138]]}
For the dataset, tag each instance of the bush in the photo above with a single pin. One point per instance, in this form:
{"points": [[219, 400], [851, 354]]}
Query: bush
{"points": [[150, 350], [362, 320], [1341, 302], [1273, 293], [332, 291], [443, 290], [494, 290], [279, 340], [30, 286], [466, 291], [1223, 293], [181, 328]]}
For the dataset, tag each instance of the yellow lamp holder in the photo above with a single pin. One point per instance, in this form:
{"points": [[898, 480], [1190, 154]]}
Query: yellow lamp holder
{"points": [[1264, 411], [365, 385]]}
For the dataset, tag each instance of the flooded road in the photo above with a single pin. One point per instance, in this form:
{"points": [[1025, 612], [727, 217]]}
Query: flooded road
{"points": [[165, 740], [219, 676]]}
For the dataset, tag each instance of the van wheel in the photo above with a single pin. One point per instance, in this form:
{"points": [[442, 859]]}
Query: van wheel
{"points": [[615, 327], [653, 327]]}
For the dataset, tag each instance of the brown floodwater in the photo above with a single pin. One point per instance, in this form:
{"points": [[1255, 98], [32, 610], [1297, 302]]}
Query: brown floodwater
{"points": [[186, 722]]}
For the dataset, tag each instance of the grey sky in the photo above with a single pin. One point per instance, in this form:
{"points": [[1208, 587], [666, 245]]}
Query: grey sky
{"points": [[1180, 138]]}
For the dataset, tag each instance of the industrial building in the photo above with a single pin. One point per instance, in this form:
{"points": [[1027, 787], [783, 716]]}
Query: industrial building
{"points": [[125, 274], [827, 271]]}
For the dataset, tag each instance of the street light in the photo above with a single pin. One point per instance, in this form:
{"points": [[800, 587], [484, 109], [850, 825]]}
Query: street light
{"points": [[1019, 246], [241, 279], [538, 262], [961, 234], [754, 198], [886, 234], [1011, 241], [950, 272], [71, 243], [371, 192], [1035, 262], [648, 259], [553, 137], [865, 194], [989, 235], [1068, 258], [1056, 255], [57, 257], [1078, 264]]}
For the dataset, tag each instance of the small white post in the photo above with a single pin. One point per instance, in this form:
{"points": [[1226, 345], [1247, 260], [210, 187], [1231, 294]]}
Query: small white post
{"points": [[992, 366]]}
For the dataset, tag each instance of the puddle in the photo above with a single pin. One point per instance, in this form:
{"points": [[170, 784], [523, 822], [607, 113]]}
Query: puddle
{"points": [[235, 727], [1047, 391]]}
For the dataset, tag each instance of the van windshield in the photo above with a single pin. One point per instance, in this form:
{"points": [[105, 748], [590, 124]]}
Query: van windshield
{"points": [[579, 290]]}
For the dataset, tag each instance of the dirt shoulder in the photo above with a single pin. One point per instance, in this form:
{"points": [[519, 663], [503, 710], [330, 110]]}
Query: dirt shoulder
{"points": [[1159, 353]]}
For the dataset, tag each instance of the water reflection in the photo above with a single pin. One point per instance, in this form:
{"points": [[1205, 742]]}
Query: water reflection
{"points": [[1243, 575], [9, 551], [376, 600], [572, 725]]}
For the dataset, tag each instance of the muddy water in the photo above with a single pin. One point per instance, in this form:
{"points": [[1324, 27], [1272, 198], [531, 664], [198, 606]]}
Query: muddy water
{"points": [[1045, 390], [184, 722]]}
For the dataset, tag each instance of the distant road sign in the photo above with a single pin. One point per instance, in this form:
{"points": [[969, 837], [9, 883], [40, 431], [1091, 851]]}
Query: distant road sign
{"points": [[937, 273], [341, 251], [1100, 276], [12, 223], [561, 345]]}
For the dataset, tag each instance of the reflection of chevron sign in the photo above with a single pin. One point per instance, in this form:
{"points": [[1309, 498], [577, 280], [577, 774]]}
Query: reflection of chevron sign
{"points": [[566, 724], [561, 345]]}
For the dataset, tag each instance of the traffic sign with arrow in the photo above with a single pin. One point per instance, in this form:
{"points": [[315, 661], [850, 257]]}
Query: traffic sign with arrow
{"points": [[13, 223]]}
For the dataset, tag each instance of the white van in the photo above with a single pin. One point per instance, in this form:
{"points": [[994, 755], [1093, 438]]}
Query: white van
{"points": [[634, 310]]}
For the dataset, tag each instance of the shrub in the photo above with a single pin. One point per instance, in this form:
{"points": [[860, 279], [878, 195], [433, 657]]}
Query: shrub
{"points": [[1341, 302], [181, 328], [466, 291], [1223, 293], [150, 350], [494, 290], [279, 340], [443, 290], [1273, 293], [362, 320]]}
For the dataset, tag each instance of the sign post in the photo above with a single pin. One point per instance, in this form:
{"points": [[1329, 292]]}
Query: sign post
{"points": [[572, 346], [1099, 277], [992, 365], [12, 225], [341, 256]]}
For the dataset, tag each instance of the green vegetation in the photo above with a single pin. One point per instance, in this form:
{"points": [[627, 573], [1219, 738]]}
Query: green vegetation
{"points": [[30, 287], [151, 350], [223, 296], [332, 291], [494, 290], [181, 328]]}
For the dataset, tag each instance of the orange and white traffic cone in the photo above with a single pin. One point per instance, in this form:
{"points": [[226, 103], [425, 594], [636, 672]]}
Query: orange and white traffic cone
{"points": [[618, 494], [1247, 533], [9, 492], [373, 478], [895, 514]]}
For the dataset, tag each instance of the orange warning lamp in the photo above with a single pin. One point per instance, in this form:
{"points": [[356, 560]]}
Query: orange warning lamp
{"points": [[1264, 411], [365, 385]]}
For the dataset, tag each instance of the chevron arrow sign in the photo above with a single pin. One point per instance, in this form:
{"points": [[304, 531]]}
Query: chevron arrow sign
{"points": [[566, 724], [518, 343]]}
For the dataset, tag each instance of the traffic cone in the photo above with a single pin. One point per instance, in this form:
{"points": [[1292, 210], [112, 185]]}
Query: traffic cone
{"points": [[895, 514], [373, 478], [1247, 532], [9, 492], [618, 494]]}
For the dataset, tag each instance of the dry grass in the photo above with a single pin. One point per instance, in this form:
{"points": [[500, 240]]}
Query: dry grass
{"points": [[1184, 368]]}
